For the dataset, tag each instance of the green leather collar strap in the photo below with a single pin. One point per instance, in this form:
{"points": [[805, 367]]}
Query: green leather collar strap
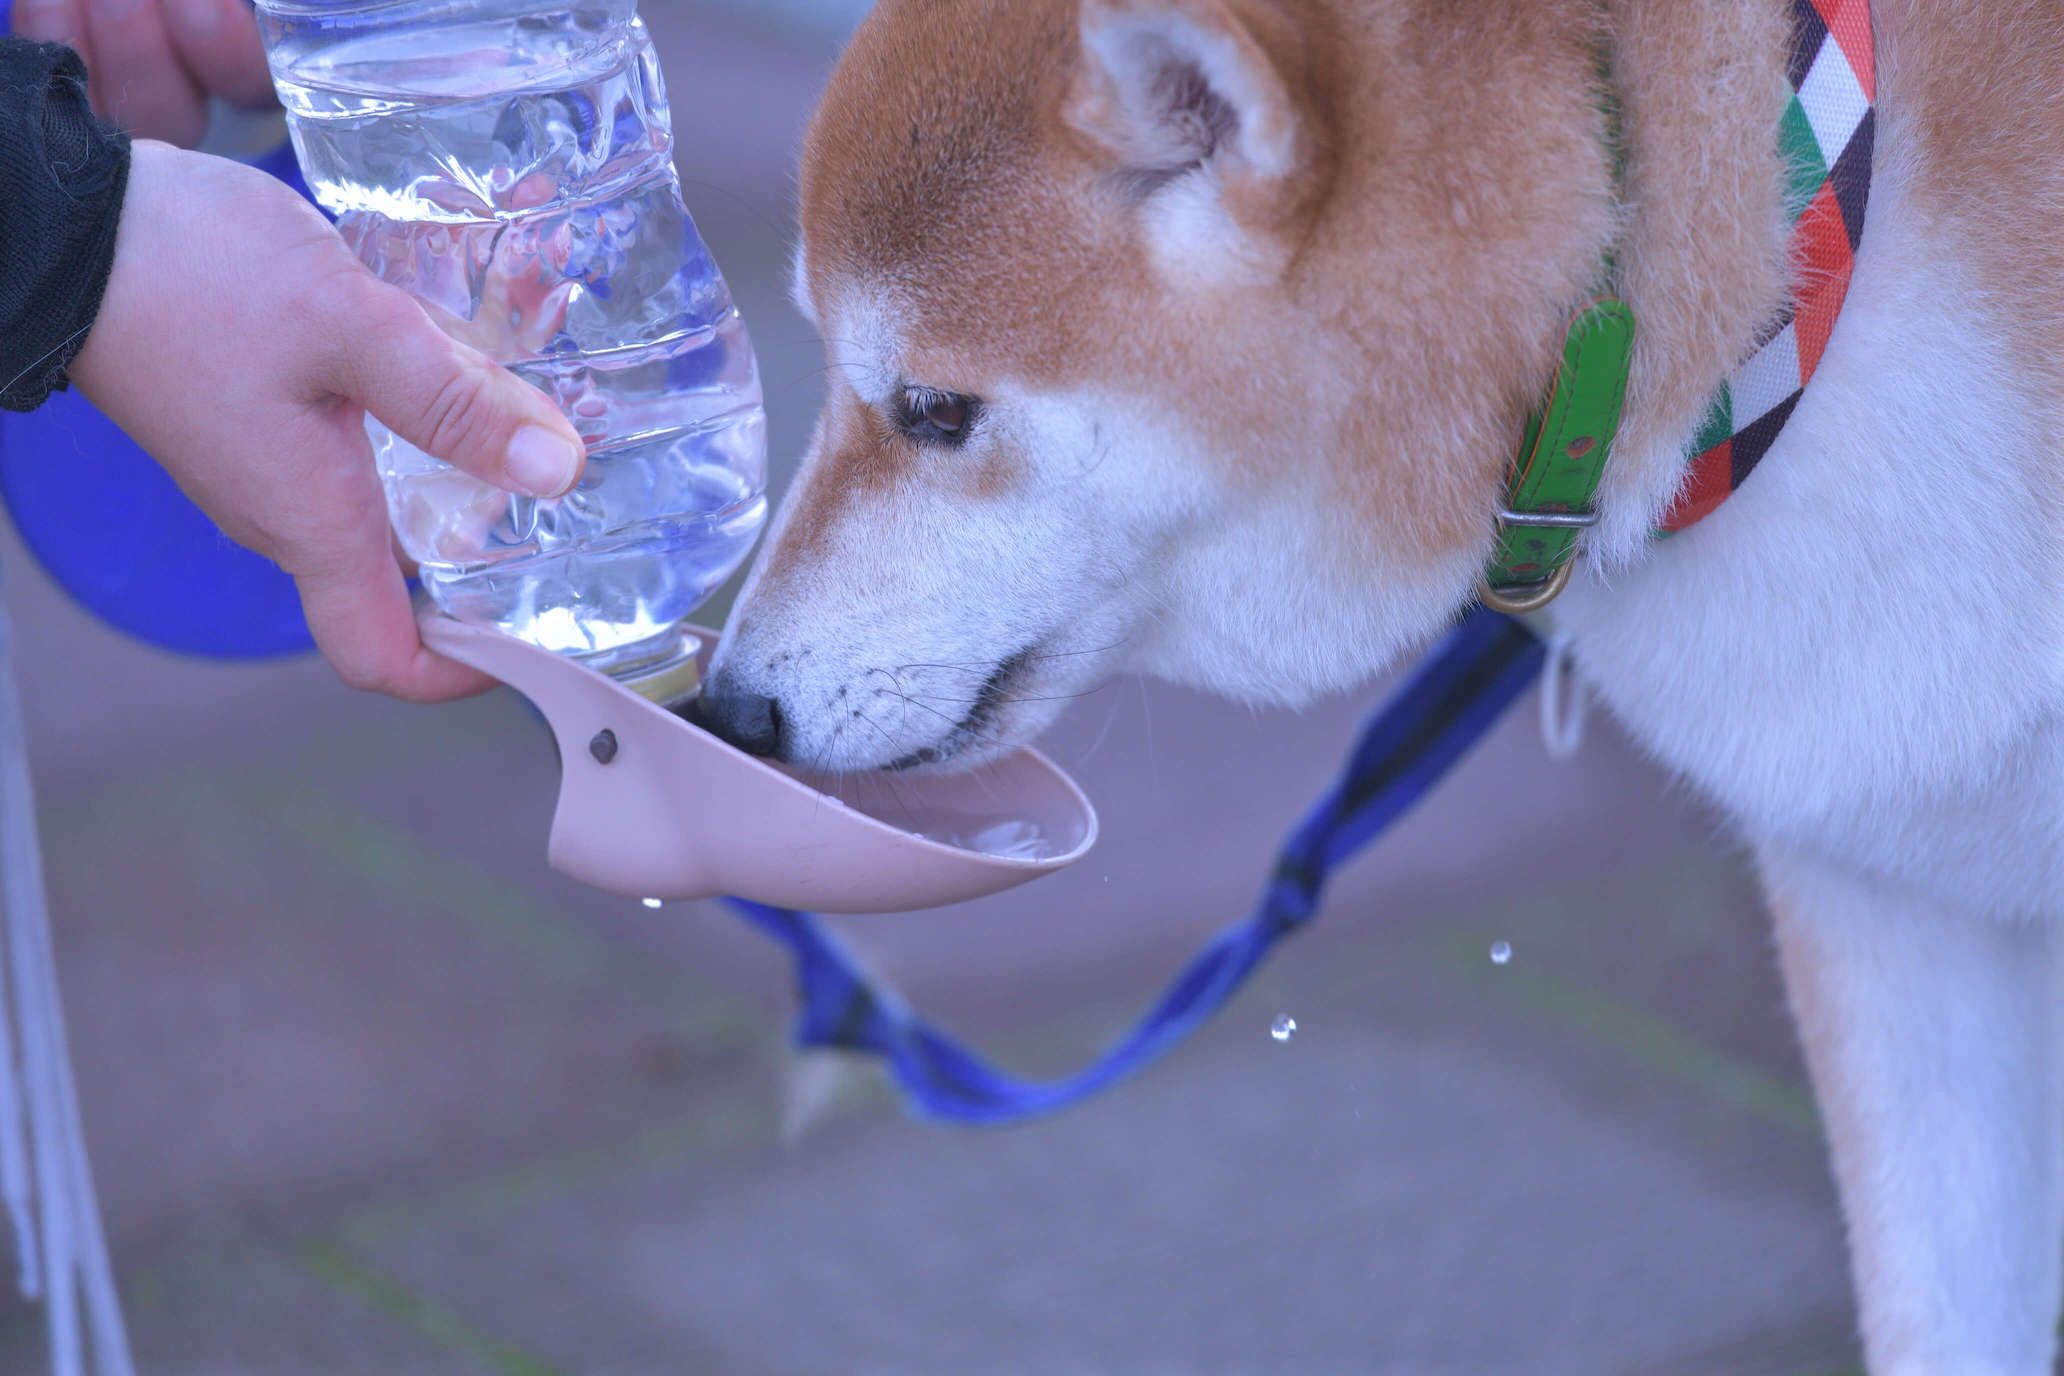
{"points": [[1562, 461]]}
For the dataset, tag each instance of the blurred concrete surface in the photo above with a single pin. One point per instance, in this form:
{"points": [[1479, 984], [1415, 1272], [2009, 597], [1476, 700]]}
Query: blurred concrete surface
{"points": [[370, 1090]]}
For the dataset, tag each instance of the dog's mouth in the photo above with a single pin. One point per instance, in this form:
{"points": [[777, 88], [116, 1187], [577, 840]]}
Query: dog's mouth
{"points": [[974, 728]]}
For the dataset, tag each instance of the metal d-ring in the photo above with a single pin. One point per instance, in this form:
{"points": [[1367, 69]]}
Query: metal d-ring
{"points": [[1531, 597]]}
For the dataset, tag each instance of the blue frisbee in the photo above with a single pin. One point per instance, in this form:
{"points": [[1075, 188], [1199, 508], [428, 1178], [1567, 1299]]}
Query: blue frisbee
{"points": [[121, 539]]}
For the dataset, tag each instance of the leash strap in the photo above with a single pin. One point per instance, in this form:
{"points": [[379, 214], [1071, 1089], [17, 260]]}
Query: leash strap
{"points": [[1453, 699]]}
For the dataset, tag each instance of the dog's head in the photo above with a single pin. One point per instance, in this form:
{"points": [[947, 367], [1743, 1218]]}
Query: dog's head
{"points": [[1180, 336]]}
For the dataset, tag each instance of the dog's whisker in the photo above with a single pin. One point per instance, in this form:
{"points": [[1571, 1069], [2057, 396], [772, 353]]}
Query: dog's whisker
{"points": [[818, 767], [1004, 699], [954, 722], [800, 378], [890, 743], [985, 667], [1110, 720], [959, 724]]}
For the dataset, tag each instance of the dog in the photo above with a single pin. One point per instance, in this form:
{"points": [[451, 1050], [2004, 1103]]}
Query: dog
{"points": [[1197, 338]]}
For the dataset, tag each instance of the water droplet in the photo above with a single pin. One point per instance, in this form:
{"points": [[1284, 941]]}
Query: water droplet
{"points": [[653, 903], [1284, 1028], [1501, 953]]}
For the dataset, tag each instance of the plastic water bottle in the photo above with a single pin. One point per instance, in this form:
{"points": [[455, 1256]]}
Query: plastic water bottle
{"points": [[509, 162]]}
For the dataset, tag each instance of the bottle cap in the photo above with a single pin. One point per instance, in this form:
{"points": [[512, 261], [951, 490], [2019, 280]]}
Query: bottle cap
{"points": [[672, 681]]}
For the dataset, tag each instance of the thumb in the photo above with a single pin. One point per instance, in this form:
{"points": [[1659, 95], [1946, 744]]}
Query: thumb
{"points": [[454, 403]]}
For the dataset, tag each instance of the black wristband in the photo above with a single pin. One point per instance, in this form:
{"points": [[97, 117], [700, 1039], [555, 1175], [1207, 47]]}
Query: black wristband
{"points": [[62, 175]]}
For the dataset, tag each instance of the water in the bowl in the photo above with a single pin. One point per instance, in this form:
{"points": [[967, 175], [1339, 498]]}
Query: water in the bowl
{"points": [[1011, 839], [1016, 839], [907, 807]]}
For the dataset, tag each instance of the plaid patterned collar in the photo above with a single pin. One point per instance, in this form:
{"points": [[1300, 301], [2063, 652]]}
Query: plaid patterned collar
{"points": [[1826, 138]]}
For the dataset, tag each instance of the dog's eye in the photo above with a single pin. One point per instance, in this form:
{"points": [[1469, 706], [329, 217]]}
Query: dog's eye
{"points": [[940, 417]]}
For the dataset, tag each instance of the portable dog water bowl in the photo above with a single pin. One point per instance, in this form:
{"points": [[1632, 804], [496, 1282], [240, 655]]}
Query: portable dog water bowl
{"points": [[653, 806]]}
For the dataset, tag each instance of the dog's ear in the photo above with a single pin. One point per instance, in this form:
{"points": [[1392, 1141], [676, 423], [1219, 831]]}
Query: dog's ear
{"points": [[1206, 109]]}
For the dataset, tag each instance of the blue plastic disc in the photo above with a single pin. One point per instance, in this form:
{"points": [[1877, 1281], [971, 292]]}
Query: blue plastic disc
{"points": [[121, 538]]}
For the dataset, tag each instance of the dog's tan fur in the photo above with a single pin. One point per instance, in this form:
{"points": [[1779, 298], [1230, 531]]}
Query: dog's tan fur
{"points": [[1256, 295], [1704, 262], [1478, 142], [1979, 79], [911, 173]]}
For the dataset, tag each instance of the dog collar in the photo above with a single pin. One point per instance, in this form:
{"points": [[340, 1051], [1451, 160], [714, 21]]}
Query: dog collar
{"points": [[1825, 137]]}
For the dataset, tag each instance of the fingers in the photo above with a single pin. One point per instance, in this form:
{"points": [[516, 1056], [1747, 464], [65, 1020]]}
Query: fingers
{"points": [[359, 611], [153, 63], [137, 80], [450, 401], [326, 524], [55, 21], [329, 529], [218, 42]]}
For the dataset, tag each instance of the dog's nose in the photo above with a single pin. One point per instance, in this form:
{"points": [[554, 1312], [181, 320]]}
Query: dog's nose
{"points": [[750, 721]]}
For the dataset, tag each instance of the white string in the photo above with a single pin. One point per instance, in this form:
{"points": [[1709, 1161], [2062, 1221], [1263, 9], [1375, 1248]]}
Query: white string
{"points": [[20, 881], [1562, 700], [16, 1187], [73, 1247]]}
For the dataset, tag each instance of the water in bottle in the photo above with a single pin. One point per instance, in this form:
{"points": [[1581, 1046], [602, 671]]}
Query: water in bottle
{"points": [[509, 162]]}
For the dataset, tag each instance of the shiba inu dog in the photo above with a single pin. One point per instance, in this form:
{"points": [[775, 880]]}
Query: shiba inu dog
{"points": [[1164, 327]]}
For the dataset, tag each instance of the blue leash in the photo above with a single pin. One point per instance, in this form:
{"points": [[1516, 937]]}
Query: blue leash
{"points": [[1454, 698]]}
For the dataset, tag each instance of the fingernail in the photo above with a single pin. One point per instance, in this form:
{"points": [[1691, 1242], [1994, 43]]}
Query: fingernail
{"points": [[542, 461]]}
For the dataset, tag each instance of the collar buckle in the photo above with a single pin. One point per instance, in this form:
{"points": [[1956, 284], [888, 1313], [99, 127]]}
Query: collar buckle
{"points": [[1548, 520]]}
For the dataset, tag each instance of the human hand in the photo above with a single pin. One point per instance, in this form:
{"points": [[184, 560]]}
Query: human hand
{"points": [[241, 343], [153, 64]]}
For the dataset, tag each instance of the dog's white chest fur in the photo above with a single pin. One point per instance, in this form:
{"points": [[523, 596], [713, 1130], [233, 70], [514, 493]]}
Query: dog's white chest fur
{"points": [[1861, 654]]}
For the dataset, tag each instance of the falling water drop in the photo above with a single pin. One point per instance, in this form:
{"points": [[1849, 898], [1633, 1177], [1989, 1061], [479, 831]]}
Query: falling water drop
{"points": [[1501, 953], [1284, 1028], [653, 903]]}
